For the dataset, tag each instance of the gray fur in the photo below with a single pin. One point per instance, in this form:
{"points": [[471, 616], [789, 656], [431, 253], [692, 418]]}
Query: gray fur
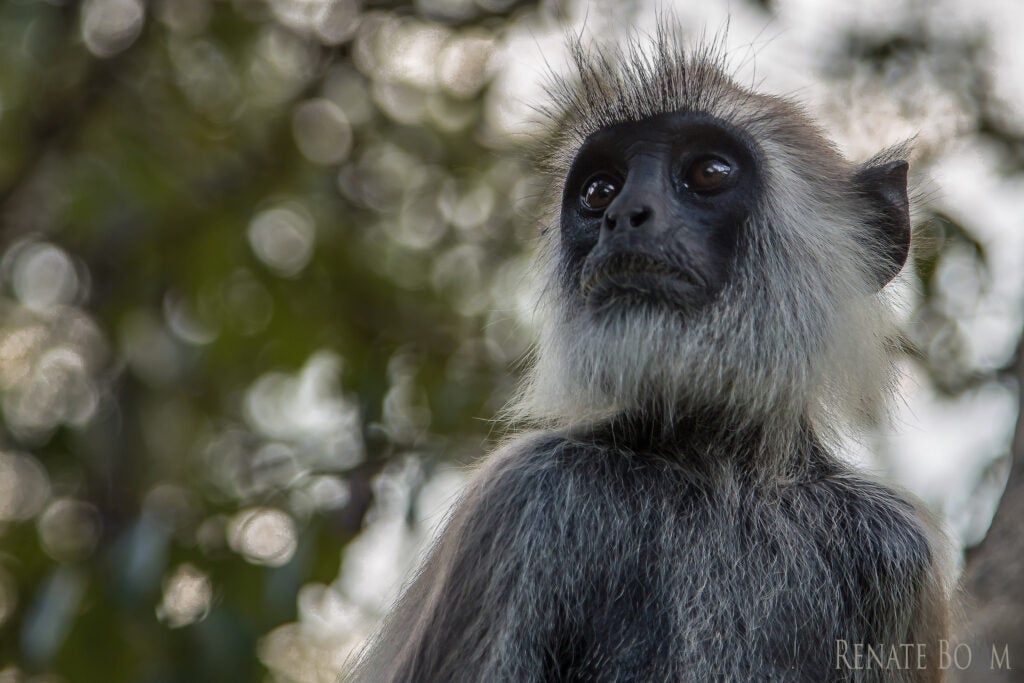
{"points": [[797, 334], [680, 517]]}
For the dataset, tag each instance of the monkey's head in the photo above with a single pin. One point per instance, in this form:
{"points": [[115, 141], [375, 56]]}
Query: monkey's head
{"points": [[708, 248]]}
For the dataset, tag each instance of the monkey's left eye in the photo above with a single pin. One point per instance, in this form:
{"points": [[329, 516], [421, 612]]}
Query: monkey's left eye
{"points": [[708, 175], [598, 192]]}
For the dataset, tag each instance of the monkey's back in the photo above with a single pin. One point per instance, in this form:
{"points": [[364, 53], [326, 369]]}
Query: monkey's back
{"points": [[637, 567]]}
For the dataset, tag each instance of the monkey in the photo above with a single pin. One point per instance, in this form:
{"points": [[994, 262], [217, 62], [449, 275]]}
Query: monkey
{"points": [[714, 327]]}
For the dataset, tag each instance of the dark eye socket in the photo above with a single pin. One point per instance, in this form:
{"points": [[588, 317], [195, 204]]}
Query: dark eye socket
{"points": [[598, 192], [708, 175]]}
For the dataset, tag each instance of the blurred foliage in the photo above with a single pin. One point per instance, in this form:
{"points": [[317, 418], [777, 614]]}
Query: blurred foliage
{"points": [[261, 260], [248, 261], [938, 68]]}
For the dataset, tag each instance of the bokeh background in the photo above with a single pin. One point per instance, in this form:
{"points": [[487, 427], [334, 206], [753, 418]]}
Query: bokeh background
{"points": [[264, 282]]}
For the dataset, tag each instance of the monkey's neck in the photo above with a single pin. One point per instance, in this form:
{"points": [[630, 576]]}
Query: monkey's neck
{"points": [[709, 436]]}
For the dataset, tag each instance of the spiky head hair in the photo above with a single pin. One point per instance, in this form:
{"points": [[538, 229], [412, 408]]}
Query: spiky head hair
{"points": [[801, 334]]}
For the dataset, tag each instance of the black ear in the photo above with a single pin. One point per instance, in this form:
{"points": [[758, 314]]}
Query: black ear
{"points": [[885, 188]]}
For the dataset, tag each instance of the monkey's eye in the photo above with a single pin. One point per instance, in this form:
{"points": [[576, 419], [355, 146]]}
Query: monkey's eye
{"points": [[598, 192], [707, 175]]}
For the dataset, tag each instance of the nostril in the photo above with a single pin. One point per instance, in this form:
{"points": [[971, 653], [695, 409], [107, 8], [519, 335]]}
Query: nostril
{"points": [[639, 217], [633, 217]]}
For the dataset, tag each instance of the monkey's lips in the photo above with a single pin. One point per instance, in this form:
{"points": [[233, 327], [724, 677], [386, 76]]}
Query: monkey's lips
{"points": [[636, 275]]}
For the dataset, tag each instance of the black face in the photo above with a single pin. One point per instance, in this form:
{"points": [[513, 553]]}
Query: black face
{"points": [[653, 211]]}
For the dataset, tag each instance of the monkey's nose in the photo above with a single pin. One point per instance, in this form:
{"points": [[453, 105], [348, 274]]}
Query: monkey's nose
{"points": [[634, 217]]}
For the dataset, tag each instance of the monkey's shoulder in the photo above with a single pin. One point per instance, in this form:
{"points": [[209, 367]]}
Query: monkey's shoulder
{"points": [[854, 522], [873, 523]]}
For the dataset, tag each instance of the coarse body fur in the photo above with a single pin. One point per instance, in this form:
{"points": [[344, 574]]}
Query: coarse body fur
{"points": [[681, 515]]}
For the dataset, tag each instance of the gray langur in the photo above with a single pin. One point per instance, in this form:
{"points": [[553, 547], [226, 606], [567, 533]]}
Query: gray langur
{"points": [[714, 326]]}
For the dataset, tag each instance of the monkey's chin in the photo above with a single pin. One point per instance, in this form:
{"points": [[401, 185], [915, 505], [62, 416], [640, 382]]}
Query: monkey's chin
{"points": [[627, 291]]}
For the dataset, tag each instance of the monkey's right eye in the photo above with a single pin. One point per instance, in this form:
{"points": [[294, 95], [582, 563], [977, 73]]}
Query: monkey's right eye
{"points": [[598, 192]]}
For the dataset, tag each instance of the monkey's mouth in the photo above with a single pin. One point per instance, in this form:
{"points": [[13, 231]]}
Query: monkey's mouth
{"points": [[633, 274]]}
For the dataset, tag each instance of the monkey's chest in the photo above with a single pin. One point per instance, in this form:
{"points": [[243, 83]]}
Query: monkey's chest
{"points": [[664, 579]]}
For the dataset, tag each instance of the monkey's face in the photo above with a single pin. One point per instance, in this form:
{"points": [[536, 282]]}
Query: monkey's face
{"points": [[653, 212]]}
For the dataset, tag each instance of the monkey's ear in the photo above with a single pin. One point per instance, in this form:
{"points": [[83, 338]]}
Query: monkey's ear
{"points": [[884, 186]]}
